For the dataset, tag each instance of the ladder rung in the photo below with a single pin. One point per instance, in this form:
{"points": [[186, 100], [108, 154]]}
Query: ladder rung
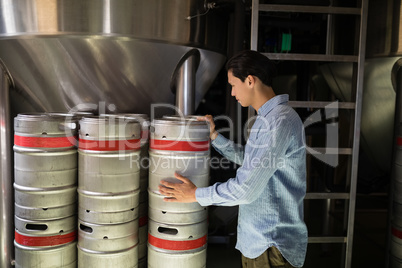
{"points": [[321, 104], [327, 239], [311, 9], [312, 57], [324, 195], [339, 151]]}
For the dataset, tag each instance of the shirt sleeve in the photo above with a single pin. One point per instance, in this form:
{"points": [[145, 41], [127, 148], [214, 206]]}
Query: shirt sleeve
{"points": [[263, 155], [230, 150]]}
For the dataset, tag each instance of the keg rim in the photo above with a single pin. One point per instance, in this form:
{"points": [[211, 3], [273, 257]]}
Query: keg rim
{"points": [[38, 116], [179, 117], [172, 121], [107, 118], [142, 116]]}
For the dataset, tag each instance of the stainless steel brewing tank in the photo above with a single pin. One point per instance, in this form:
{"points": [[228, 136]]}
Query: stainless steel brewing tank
{"points": [[72, 55]]}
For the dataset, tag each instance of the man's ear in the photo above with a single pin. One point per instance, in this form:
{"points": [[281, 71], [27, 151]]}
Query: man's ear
{"points": [[250, 80]]}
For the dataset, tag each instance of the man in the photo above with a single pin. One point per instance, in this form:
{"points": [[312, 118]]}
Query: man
{"points": [[270, 184]]}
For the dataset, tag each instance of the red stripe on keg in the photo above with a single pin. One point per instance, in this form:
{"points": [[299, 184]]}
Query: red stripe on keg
{"points": [[45, 142], [43, 241], [179, 145], [143, 221], [396, 232], [109, 145], [176, 245], [399, 141]]}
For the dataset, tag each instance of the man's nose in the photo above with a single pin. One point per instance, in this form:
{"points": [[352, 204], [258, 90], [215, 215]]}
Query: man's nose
{"points": [[233, 93]]}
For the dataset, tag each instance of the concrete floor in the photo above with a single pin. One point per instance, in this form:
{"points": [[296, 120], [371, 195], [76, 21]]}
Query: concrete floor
{"points": [[369, 246]]}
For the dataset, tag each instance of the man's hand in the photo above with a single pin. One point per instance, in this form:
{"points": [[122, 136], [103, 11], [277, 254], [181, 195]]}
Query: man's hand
{"points": [[212, 132], [183, 192]]}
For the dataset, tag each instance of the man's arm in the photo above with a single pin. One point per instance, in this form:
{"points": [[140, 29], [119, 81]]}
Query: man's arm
{"points": [[225, 147], [251, 178]]}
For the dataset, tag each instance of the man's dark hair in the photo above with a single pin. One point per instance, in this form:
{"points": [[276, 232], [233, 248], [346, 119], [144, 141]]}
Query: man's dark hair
{"points": [[249, 62]]}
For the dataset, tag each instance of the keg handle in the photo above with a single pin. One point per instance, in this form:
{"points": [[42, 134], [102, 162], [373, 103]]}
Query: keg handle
{"points": [[85, 228], [168, 231], [36, 227]]}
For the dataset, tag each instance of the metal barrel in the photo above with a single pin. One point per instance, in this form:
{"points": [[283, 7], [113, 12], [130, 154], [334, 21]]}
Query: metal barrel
{"points": [[104, 238], [108, 245], [177, 232], [143, 119], [126, 258], [108, 191], [108, 175], [64, 256], [177, 245], [163, 165], [45, 203], [108, 208], [45, 168], [175, 213], [178, 146], [46, 243], [45, 189]]}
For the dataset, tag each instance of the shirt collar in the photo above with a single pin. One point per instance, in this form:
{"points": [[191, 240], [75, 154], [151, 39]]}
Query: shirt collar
{"points": [[272, 103]]}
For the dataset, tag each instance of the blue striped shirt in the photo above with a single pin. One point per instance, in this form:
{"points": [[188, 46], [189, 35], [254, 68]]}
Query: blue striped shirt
{"points": [[269, 186]]}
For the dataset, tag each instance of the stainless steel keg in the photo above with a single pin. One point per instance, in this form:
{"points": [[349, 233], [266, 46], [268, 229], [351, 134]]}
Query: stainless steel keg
{"points": [[177, 245], [109, 183], [45, 168], [178, 146], [108, 191], [175, 213], [46, 243], [177, 232], [108, 245]]}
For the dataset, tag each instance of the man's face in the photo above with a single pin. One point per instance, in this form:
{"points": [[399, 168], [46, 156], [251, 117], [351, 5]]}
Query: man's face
{"points": [[240, 90]]}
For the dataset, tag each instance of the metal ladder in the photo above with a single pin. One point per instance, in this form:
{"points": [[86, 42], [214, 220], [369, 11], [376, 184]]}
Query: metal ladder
{"points": [[355, 107]]}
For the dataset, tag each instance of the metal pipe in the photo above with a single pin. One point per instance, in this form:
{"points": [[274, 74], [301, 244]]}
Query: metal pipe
{"points": [[6, 193], [183, 82]]}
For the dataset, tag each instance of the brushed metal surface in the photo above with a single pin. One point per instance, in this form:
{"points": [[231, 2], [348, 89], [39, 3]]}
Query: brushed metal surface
{"points": [[6, 193], [64, 54], [99, 56], [378, 102], [98, 73]]}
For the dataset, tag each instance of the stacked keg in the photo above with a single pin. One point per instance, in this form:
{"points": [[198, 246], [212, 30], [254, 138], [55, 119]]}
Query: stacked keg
{"points": [[177, 232], [396, 219], [45, 190], [108, 192]]}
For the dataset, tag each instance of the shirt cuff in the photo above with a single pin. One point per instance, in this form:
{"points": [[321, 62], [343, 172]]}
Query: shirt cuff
{"points": [[219, 141], [202, 196]]}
